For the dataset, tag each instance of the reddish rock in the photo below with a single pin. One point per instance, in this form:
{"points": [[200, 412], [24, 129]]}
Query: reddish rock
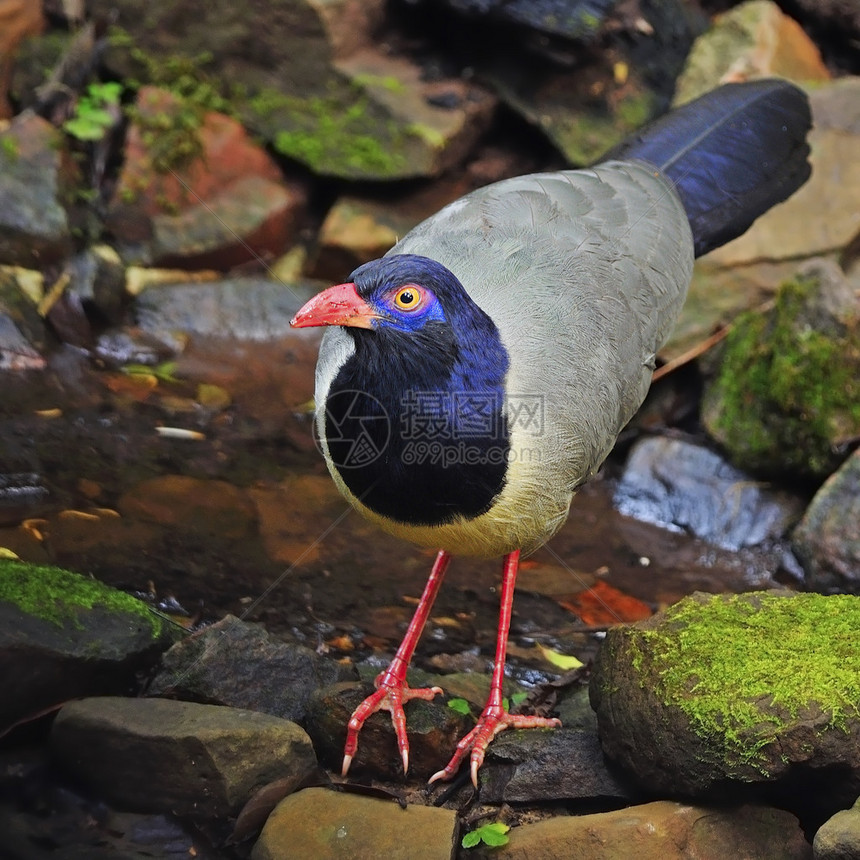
{"points": [[224, 204], [18, 19]]}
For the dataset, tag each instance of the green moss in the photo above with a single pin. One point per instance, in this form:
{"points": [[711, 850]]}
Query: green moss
{"points": [[785, 391], [9, 148], [56, 595], [769, 660], [331, 134]]}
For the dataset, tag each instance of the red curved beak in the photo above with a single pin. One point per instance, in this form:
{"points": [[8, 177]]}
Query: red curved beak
{"points": [[339, 305]]}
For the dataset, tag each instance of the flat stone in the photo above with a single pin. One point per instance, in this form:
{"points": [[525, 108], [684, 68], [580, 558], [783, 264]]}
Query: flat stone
{"points": [[663, 830], [535, 766], [157, 755], [822, 216], [327, 824], [239, 664]]}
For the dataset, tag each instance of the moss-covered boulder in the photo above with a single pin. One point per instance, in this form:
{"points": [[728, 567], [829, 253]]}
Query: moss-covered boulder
{"points": [[787, 394], [63, 636], [718, 692]]}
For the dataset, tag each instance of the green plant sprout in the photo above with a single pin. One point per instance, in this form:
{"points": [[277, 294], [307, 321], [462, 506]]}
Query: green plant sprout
{"points": [[493, 835], [92, 117]]}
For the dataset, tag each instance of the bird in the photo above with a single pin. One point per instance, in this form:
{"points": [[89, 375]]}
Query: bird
{"points": [[477, 374]]}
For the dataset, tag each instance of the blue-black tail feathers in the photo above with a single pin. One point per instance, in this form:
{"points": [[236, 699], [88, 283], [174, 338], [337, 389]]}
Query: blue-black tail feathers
{"points": [[731, 154]]}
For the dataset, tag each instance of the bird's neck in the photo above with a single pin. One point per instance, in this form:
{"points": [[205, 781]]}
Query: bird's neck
{"points": [[439, 431]]}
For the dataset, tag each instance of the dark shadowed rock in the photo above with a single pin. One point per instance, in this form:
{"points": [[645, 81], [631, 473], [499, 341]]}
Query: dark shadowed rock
{"points": [[689, 488], [320, 823], [63, 636], [155, 755], [432, 727], [533, 766], [239, 664], [36, 179], [827, 541], [663, 831], [719, 692]]}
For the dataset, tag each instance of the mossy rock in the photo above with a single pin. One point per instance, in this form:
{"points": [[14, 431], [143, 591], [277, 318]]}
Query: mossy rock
{"points": [[63, 636], [718, 691], [787, 394]]}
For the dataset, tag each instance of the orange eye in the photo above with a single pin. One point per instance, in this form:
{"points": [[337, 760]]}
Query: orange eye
{"points": [[409, 298]]}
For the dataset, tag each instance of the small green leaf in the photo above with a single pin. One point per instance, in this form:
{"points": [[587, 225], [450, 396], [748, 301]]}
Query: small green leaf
{"points": [[493, 834], [519, 698], [461, 706], [470, 840]]}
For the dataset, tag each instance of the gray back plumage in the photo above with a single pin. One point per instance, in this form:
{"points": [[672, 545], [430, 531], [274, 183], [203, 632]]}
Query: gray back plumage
{"points": [[584, 272]]}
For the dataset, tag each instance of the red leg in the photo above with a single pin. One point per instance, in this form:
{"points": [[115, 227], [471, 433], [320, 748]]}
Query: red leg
{"points": [[494, 717], [392, 691]]}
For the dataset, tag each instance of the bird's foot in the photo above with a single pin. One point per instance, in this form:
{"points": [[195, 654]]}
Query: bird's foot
{"points": [[389, 696], [493, 720]]}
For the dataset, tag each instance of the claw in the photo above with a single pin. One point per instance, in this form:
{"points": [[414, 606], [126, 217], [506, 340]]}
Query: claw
{"points": [[347, 761]]}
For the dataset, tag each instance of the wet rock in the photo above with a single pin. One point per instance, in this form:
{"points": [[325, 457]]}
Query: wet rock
{"points": [[823, 215], [827, 540], [35, 179], [785, 397], [16, 352], [433, 729], [97, 280], [534, 766], [719, 692], [195, 191], [664, 831], [239, 664], [18, 19], [252, 309], [63, 636], [753, 40], [839, 837], [155, 755], [208, 507], [688, 488], [320, 823]]}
